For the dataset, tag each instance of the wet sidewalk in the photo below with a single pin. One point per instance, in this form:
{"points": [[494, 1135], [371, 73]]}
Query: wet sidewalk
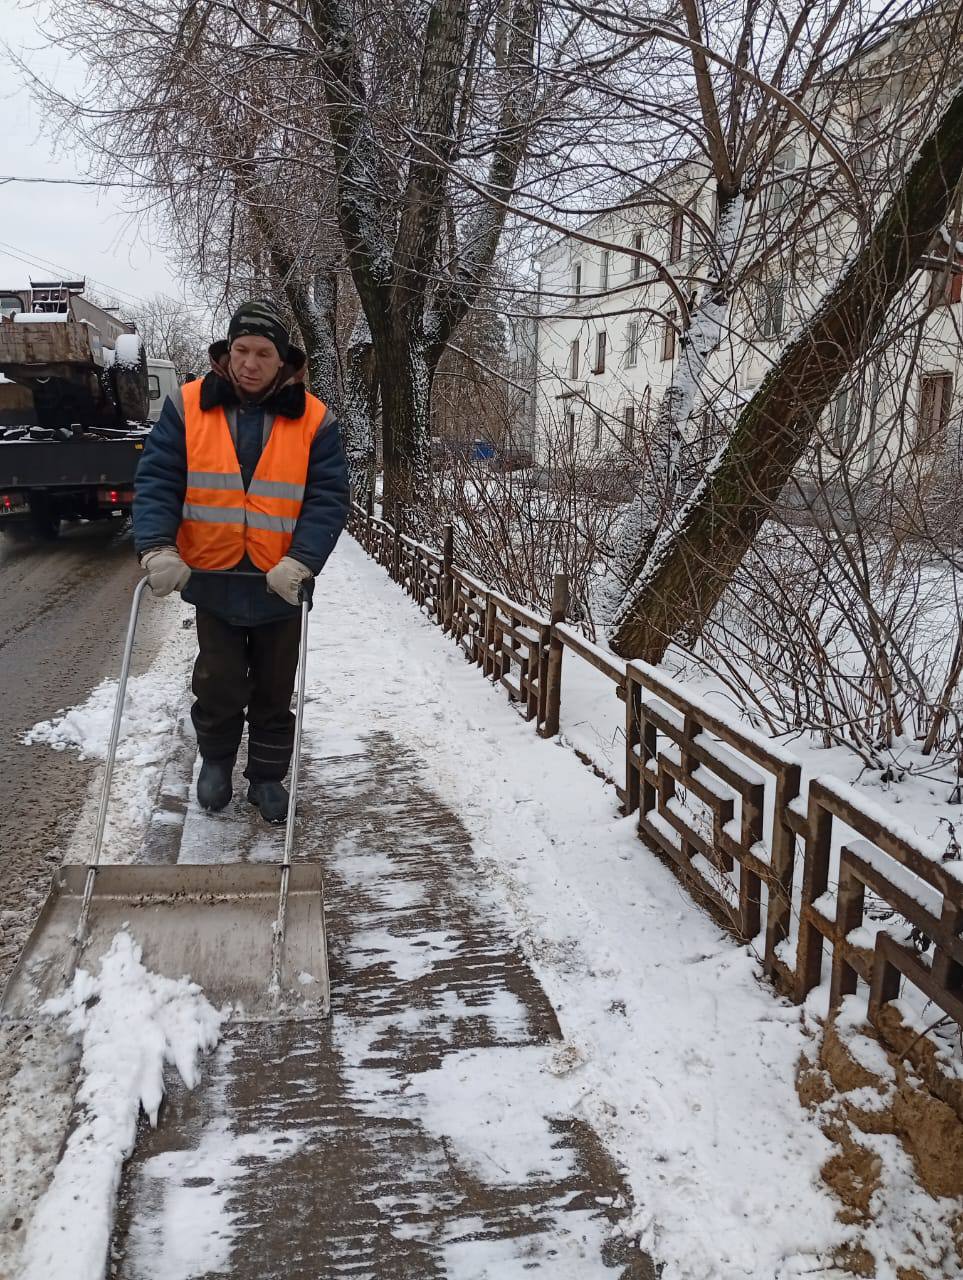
{"points": [[431, 1128]]}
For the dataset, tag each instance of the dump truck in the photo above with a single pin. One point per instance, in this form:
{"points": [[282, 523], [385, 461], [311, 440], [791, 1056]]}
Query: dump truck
{"points": [[78, 396]]}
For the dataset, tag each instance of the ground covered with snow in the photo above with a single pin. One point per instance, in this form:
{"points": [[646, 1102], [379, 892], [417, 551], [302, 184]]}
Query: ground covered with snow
{"points": [[686, 1059], [676, 1050]]}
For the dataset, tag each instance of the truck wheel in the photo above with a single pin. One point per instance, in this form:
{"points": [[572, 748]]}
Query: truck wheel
{"points": [[44, 519]]}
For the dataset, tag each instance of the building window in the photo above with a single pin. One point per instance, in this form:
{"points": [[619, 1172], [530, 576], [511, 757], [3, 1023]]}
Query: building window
{"points": [[600, 341], [946, 286], [676, 228], [844, 417], [598, 431], [636, 272], [709, 434], [573, 359], [628, 426], [606, 267], [866, 132], [632, 344], [936, 392], [570, 428], [782, 183], [770, 307], [577, 279], [668, 335], [645, 407]]}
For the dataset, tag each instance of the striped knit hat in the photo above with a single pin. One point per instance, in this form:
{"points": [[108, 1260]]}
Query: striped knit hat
{"points": [[260, 320]]}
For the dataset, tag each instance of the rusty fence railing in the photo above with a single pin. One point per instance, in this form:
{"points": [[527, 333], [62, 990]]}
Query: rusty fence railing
{"points": [[825, 883]]}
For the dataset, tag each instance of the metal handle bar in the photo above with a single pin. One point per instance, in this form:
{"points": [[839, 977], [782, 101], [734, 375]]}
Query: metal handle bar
{"points": [[81, 933], [304, 593]]}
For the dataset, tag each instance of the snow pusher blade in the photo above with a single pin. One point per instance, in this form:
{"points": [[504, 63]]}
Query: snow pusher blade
{"points": [[251, 935], [215, 924]]}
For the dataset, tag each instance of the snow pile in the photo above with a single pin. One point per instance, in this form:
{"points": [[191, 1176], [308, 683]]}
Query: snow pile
{"points": [[127, 350], [148, 718], [41, 317], [152, 706], [132, 1022]]}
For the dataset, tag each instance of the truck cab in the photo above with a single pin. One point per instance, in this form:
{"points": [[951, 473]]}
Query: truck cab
{"points": [[161, 382]]}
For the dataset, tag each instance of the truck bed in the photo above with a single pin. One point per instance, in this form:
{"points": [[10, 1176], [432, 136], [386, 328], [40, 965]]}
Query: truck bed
{"points": [[69, 464]]}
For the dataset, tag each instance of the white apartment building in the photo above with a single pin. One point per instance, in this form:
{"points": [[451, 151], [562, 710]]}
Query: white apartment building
{"points": [[608, 332]]}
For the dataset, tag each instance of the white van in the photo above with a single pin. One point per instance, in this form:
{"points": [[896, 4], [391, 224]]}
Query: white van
{"points": [[161, 382]]}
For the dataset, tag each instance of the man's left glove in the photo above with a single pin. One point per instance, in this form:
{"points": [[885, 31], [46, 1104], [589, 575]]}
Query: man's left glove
{"points": [[286, 577], [166, 571]]}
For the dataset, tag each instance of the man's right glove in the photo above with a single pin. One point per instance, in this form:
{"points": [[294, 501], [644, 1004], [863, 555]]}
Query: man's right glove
{"points": [[166, 571]]}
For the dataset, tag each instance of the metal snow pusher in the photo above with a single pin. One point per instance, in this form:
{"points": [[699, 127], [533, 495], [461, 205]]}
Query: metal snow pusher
{"points": [[251, 935]]}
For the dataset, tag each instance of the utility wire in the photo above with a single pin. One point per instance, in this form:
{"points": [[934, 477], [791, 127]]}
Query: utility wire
{"points": [[43, 264], [64, 182]]}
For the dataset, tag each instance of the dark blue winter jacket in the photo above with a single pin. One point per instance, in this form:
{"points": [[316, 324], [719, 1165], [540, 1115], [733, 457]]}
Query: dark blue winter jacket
{"points": [[161, 482]]}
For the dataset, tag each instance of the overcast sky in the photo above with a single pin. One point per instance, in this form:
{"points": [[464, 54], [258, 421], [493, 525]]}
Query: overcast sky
{"points": [[46, 231]]}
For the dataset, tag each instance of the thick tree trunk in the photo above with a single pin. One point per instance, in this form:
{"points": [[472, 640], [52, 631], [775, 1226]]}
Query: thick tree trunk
{"points": [[359, 409], [315, 308], [405, 379], [695, 558]]}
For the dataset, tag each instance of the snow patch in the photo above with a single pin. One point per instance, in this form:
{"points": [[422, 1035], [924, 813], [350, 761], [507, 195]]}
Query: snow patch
{"points": [[41, 317], [132, 1022], [127, 350], [152, 706], [195, 1232]]}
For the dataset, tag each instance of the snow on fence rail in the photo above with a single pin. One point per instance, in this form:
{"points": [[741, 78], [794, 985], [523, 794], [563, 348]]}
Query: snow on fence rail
{"points": [[805, 871]]}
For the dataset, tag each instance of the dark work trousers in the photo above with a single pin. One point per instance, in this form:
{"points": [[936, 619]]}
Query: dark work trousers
{"points": [[252, 668]]}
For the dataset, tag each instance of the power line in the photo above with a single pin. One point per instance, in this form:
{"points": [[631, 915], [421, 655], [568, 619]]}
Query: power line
{"points": [[44, 264], [64, 182]]}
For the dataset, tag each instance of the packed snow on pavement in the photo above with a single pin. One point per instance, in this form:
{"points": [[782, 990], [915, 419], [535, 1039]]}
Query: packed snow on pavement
{"points": [[676, 1050]]}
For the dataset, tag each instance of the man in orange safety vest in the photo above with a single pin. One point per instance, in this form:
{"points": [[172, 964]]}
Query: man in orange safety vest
{"points": [[239, 499]]}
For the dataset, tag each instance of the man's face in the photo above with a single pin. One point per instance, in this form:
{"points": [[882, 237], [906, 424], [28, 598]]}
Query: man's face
{"points": [[255, 363]]}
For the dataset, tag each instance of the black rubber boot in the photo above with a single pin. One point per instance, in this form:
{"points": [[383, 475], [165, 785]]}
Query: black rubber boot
{"points": [[271, 798], [214, 785]]}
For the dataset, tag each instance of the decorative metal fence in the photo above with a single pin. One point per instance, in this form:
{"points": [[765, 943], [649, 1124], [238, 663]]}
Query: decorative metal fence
{"points": [[823, 880]]}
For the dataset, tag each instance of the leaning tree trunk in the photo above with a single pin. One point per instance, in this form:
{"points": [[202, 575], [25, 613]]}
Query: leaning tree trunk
{"points": [[694, 560], [670, 469]]}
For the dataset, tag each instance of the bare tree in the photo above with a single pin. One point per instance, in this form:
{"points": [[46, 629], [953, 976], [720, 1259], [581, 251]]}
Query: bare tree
{"points": [[229, 152], [417, 265], [171, 331], [696, 557]]}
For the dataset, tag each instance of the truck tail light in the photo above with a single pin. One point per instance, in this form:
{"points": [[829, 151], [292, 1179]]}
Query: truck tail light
{"points": [[114, 497], [11, 502]]}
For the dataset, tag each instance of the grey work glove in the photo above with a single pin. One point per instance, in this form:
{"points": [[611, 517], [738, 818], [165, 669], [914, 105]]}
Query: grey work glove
{"points": [[286, 577], [166, 571]]}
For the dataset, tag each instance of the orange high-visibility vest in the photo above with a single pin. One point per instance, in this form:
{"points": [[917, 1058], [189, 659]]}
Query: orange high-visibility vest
{"points": [[220, 522]]}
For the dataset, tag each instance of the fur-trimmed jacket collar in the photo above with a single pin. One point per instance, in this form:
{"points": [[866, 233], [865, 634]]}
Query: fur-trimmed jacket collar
{"points": [[285, 399]]}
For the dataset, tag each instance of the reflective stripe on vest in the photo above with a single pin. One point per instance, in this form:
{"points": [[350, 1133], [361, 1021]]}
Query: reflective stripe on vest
{"points": [[220, 523]]}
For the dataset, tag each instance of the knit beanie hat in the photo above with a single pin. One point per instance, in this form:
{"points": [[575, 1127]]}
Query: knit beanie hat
{"points": [[260, 320]]}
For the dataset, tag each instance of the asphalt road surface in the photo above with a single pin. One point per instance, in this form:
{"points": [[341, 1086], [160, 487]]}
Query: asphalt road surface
{"points": [[64, 606]]}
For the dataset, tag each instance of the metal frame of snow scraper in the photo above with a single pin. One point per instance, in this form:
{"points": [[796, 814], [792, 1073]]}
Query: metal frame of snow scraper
{"points": [[153, 895]]}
